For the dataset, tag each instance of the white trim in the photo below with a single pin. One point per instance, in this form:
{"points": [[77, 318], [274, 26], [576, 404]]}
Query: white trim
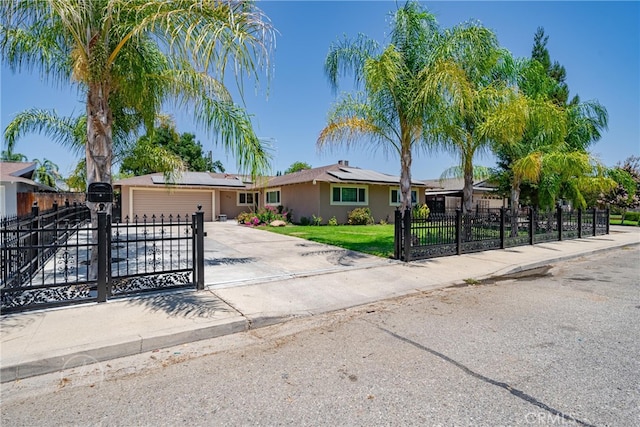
{"points": [[273, 190], [255, 194], [358, 187], [392, 189]]}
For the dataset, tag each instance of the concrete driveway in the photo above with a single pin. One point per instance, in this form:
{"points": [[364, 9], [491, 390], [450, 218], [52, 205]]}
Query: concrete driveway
{"points": [[237, 255]]}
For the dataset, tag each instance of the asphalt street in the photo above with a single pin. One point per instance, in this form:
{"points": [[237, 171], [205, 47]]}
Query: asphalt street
{"points": [[556, 347]]}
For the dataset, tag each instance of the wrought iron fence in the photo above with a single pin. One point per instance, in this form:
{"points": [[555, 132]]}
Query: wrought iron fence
{"points": [[456, 233], [60, 258]]}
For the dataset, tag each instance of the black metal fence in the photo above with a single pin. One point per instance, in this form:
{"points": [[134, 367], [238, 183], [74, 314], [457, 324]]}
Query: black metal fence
{"points": [[457, 233], [60, 258]]}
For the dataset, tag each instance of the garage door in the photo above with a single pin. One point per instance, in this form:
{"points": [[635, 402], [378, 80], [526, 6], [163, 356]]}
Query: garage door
{"points": [[178, 202]]}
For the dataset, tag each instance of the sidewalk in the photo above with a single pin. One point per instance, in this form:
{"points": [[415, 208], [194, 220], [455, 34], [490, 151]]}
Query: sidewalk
{"points": [[255, 278]]}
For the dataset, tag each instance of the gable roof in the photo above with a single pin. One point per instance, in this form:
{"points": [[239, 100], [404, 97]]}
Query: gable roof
{"points": [[21, 172], [337, 173], [186, 179]]}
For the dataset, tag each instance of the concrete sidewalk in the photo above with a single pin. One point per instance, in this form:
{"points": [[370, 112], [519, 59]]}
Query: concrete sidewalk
{"points": [[255, 278]]}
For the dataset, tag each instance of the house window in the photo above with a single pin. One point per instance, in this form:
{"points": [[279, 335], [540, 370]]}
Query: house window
{"points": [[351, 195], [247, 199], [395, 197], [272, 197]]}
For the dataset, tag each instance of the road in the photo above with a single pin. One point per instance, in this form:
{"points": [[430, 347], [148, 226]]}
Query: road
{"points": [[559, 347]]}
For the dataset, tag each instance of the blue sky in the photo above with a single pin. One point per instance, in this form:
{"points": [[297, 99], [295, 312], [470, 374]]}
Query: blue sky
{"points": [[597, 42]]}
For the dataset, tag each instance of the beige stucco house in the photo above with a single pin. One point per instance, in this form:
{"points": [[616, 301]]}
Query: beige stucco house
{"points": [[217, 193], [325, 192], [336, 189]]}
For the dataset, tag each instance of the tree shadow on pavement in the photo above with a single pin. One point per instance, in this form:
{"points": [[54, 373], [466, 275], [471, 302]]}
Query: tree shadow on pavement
{"points": [[191, 304]]}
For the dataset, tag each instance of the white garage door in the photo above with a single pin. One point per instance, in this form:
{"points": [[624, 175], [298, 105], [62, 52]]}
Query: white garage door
{"points": [[179, 202]]}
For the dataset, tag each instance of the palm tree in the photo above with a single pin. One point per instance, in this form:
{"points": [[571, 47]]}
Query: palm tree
{"points": [[46, 172], [130, 57], [481, 106], [70, 132], [10, 156], [387, 115]]}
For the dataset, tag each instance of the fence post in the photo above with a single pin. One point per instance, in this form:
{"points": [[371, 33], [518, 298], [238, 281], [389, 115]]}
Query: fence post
{"points": [[579, 223], [532, 225], [559, 221], [103, 253], [502, 219], [407, 234], [607, 219], [198, 254], [595, 222], [397, 234], [458, 231], [34, 234]]}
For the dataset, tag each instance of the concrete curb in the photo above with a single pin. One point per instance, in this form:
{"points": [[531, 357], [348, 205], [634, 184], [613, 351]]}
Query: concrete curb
{"points": [[82, 357]]}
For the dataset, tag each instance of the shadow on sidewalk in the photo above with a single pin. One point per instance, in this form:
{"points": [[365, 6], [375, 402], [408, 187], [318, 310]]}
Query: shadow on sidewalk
{"points": [[190, 304]]}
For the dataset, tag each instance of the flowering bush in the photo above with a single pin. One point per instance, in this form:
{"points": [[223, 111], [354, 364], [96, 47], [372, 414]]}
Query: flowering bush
{"points": [[264, 215]]}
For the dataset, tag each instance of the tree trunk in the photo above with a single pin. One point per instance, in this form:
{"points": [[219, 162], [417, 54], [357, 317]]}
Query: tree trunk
{"points": [[98, 150], [515, 208], [405, 176], [467, 191]]}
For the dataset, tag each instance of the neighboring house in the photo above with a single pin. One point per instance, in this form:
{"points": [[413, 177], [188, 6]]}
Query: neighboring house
{"points": [[445, 195], [17, 188], [335, 190], [217, 193]]}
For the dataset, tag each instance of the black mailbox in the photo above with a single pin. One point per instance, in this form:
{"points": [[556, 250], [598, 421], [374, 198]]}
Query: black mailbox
{"points": [[100, 192]]}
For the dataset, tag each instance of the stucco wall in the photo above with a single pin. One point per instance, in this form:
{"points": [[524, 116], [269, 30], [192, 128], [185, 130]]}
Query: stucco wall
{"points": [[302, 200]]}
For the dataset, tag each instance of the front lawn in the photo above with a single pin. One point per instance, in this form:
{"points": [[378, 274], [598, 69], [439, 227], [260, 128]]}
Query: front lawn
{"points": [[630, 219], [371, 239]]}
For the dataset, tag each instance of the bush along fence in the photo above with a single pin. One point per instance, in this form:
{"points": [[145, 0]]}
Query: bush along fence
{"points": [[456, 233], [60, 258]]}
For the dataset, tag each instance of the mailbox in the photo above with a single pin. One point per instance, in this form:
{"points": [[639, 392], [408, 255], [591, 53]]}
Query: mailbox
{"points": [[100, 192]]}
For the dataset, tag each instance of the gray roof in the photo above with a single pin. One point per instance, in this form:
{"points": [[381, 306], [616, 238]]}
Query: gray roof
{"points": [[357, 174], [198, 178]]}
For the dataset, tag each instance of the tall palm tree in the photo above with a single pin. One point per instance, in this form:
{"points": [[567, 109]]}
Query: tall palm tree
{"points": [[130, 57], [387, 114], [70, 132], [481, 106]]}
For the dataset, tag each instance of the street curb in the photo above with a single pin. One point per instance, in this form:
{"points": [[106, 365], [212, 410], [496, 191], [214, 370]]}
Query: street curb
{"points": [[509, 271], [143, 344]]}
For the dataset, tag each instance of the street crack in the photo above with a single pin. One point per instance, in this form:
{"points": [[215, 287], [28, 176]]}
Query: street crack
{"points": [[518, 393]]}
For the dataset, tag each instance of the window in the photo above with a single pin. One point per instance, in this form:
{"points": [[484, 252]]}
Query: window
{"points": [[247, 199], [353, 195], [396, 197], [272, 197]]}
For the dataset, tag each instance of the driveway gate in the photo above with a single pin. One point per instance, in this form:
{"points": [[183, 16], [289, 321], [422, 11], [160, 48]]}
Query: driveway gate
{"points": [[60, 258]]}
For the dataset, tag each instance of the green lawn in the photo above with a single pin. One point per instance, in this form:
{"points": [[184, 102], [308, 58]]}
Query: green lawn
{"points": [[371, 239], [617, 220]]}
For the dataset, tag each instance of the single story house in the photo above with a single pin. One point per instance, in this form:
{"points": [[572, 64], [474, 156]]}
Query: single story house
{"points": [[217, 193], [17, 188], [336, 189], [445, 195]]}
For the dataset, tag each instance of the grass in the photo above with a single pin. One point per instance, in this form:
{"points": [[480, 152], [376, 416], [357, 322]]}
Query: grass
{"points": [[371, 239], [617, 220]]}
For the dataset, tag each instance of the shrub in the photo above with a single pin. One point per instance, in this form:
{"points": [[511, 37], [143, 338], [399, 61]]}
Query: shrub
{"points": [[333, 221], [317, 220], [244, 217], [421, 211], [360, 216], [305, 221], [632, 216], [264, 215]]}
